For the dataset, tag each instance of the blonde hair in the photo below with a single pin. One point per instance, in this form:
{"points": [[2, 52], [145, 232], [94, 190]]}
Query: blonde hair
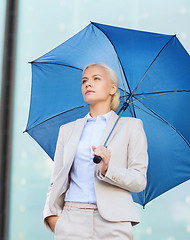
{"points": [[115, 97]]}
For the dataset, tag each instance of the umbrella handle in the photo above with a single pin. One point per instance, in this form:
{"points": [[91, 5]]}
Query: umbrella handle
{"points": [[97, 159]]}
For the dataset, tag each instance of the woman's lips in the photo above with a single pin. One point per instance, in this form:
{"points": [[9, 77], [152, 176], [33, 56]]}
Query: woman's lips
{"points": [[89, 91]]}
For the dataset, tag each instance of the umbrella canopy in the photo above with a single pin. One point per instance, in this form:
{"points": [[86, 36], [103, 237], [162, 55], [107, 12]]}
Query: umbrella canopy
{"points": [[154, 77]]}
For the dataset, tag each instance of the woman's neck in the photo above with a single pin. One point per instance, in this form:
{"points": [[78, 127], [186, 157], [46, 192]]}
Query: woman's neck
{"points": [[99, 110]]}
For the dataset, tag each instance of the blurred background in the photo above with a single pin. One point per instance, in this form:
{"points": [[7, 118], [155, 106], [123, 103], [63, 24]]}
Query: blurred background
{"points": [[30, 28]]}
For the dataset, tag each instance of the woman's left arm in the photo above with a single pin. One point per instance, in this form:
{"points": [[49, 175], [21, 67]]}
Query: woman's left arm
{"points": [[133, 178]]}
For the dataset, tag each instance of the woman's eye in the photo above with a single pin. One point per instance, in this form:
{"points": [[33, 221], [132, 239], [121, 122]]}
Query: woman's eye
{"points": [[96, 78], [83, 81]]}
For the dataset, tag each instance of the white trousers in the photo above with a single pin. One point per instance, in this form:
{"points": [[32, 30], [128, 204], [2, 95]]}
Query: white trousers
{"points": [[87, 224]]}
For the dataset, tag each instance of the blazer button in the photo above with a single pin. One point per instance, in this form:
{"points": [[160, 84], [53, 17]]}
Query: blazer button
{"points": [[113, 178]]}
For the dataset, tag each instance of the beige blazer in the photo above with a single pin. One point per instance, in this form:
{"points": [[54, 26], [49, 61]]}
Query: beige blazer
{"points": [[126, 171]]}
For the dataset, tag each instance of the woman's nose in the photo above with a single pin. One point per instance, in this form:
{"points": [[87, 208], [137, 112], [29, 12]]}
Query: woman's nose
{"points": [[88, 84]]}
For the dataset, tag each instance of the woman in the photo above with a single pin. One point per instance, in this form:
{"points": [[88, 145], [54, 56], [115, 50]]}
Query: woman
{"points": [[88, 201]]}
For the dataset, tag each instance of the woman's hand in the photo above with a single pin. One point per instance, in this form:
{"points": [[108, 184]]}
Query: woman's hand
{"points": [[105, 154], [51, 220]]}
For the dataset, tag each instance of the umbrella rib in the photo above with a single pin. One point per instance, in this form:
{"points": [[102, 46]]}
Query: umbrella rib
{"points": [[174, 91], [159, 94], [123, 90], [144, 111], [56, 64], [121, 75], [133, 109], [152, 64], [165, 121], [117, 56], [54, 116], [130, 110], [149, 113]]}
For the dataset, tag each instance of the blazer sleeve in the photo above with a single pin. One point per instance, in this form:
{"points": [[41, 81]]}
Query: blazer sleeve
{"points": [[57, 166], [133, 178]]}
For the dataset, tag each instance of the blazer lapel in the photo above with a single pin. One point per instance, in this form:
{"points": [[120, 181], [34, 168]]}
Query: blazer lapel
{"points": [[68, 157], [71, 146]]}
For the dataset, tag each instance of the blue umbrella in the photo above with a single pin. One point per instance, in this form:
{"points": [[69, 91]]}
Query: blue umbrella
{"points": [[154, 84]]}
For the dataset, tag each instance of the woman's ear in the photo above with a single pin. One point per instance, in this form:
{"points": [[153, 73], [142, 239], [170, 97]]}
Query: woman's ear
{"points": [[113, 89]]}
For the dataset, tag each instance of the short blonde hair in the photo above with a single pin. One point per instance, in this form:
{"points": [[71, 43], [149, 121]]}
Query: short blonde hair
{"points": [[115, 97]]}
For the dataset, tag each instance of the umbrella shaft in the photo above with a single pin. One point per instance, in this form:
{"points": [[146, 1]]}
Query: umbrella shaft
{"points": [[123, 108]]}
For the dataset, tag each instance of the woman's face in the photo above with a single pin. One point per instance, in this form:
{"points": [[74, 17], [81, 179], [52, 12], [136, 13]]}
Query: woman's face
{"points": [[97, 87]]}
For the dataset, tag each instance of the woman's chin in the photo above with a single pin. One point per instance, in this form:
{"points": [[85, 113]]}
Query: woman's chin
{"points": [[90, 101]]}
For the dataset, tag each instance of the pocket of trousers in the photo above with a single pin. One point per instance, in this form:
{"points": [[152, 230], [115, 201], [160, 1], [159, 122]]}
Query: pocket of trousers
{"points": [[57, 223]]}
